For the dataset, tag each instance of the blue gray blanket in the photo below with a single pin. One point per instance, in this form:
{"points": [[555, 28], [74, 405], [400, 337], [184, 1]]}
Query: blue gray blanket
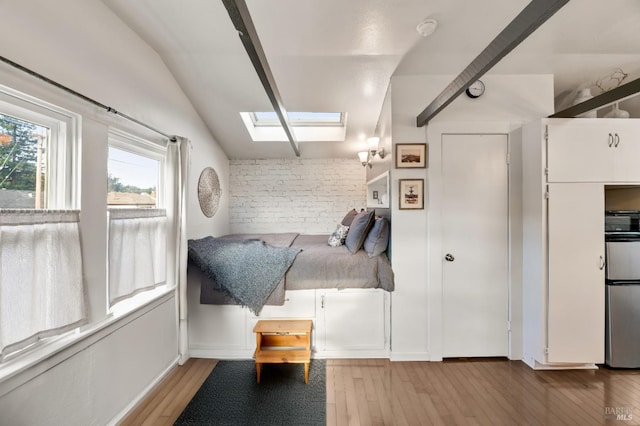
{"points": [[247, 270]]}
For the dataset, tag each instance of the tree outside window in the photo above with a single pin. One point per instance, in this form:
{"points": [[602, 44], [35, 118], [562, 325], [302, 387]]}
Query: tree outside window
{"points": [[23, 177]]}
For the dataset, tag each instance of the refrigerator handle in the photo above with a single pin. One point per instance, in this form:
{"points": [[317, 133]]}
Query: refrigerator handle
{"points": [[601, 263]]}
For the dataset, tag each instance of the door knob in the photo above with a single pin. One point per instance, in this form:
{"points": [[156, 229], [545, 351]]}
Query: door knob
{"points": [[449, 257]]}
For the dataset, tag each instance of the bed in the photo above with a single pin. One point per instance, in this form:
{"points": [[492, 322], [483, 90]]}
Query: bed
{"points": [[314, 264]]}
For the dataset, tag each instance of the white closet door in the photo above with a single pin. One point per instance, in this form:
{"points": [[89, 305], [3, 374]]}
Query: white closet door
{"points": [[475, 240], [576, 273]]}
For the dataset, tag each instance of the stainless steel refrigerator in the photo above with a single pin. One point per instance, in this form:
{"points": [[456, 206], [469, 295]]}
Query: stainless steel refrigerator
{"points": [[622, 332]]}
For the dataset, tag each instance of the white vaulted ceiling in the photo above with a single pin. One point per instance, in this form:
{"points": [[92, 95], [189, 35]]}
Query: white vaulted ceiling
{"points": [[336, 55]]}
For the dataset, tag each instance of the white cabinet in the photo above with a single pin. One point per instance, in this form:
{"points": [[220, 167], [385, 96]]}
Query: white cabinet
{"points": [[354, 323], [627, 149], [298, 304], [563, 236], [576, 273], [593, 150], [347, 323], [350, 323], [579, 152]]}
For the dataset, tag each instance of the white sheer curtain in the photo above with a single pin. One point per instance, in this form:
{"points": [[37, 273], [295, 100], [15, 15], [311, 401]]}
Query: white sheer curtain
{"points": [[41, 286], [178, 159], [137, 251]]}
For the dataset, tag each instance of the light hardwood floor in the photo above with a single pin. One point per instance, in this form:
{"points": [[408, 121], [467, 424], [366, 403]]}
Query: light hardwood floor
{"points": [[458, 392]]}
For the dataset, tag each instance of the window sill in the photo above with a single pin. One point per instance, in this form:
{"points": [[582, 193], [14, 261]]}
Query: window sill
{"points": [[16, 371]]}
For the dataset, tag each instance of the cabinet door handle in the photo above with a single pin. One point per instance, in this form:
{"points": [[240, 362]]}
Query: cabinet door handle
{"points": [[617, 141], [610, 140], [322, 302], [601, 263]]}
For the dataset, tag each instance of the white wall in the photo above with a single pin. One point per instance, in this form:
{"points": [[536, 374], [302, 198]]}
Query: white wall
{"points": [[509, 101], [309, 196], [82, 45], [97, 382]]}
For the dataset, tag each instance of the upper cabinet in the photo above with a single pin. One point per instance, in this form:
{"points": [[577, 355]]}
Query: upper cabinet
{"points": [[593, 150]]}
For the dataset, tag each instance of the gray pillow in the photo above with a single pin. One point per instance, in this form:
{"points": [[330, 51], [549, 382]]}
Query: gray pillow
{"points": [[378, 238], [346, 221], [358, 230]]}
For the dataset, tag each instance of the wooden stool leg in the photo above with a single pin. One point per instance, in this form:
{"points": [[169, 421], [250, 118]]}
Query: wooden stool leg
{"points": [[258, 368], [306, 372]]}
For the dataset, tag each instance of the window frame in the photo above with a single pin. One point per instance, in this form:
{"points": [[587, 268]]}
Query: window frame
{"points": [[64, 150], [63, 192], [125, 141], [310, 132], [143, 147], [296, 119]]}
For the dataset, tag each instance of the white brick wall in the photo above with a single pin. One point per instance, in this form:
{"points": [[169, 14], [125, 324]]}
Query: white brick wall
{"points": [[308, 196]]}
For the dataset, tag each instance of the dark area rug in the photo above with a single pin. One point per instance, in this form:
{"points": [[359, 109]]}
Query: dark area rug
{"points": [[231, 396]]}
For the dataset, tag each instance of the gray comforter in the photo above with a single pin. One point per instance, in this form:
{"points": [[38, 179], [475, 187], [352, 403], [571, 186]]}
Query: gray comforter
{"points": [[321, 266], [247, 270], [318, 265]]}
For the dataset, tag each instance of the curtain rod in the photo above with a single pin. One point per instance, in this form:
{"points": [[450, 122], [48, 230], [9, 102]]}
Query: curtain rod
{"points": [[84, 98]]}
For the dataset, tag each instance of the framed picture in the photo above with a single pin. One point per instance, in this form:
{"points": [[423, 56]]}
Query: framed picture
{"points": [[411, 155], [411, 194]]}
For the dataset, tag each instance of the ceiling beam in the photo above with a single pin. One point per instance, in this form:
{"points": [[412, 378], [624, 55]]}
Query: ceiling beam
{"points": [[241, 19], [603, 99], [531, 18]]}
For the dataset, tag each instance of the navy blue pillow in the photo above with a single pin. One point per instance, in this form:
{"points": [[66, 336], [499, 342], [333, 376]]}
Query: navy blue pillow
{"points": [[378, 238], [359, 230]]}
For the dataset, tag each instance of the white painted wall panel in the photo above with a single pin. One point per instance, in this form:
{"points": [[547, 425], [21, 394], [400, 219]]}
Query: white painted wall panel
{"points": [[309, 196], [84, 46], [94, 385], [509, 101]]}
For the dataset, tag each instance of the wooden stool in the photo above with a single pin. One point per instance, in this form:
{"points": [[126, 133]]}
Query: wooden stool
{"points": [[283, 341]]}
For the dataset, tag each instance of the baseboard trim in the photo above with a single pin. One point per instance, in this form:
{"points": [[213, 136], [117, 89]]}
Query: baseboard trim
{"points": [[142, 395], [350, 354], [244, 354], [410, 356], [586, 366], [220, 353]]}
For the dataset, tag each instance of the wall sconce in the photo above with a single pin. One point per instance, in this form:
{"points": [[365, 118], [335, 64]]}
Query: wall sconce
{"points": [[366, 157]]}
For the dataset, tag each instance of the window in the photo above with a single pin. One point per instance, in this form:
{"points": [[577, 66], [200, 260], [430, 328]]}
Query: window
{"points": [[40, 256], [270, 118], [134, 172], [38, 154], [306, 126], [23, 149], [137, 223]]}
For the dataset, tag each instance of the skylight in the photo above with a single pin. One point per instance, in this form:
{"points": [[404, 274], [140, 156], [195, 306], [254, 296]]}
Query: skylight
{"points": [[306, 126], [270, 118]]}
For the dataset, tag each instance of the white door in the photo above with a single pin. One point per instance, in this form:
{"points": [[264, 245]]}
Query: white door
{"points": [[475, 245], [576, 273]]}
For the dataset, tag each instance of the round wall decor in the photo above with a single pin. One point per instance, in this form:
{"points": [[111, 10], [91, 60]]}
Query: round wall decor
{"points": [[209, 191]]}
